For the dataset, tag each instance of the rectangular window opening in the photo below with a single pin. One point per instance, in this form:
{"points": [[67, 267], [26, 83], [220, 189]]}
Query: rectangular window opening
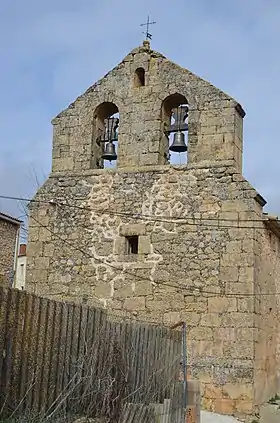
{"points": [[132, 244]]}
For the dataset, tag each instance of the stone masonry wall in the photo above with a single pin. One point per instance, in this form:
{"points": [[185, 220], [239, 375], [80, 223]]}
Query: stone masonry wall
{"points": [[77, 253], [267, 314], [215, 119], [8, 233], [199, 269]]}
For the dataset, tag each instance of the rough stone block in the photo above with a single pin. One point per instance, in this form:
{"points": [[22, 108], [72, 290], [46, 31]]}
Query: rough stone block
{"points": [[191, 318], [156, 305], [233, 247], [237, 391], [246, 274], [44, 234], [222, 305], [208, 129], [48, 249], [123, 289], [234, 206], [208, 349], [201, 333], [228, 273], [238, 319], [136, 303], [34, 249], [39, 277], [228, 218], [143, 288], [41, 263], [244, 407], [226, 334], [127, 161], [238, 259], [240, 233], [33, 234], [207, 403], [248, 245], [115, 304], [149, 159], [245, 304], [154, 146], [240, 349], [171, 318], [104, 248], [43, 220], [224, 406], [133, 229], [239, 288], [103, 290], [199, 306], [213, 391], [144, 244], [211, 320], [62, 164]]}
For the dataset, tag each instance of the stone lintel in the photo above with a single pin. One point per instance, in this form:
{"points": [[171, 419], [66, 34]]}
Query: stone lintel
{"points": [[150, 168], [132, 229]]}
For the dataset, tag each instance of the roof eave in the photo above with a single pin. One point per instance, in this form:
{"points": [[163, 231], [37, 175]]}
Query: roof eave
{"points": [[10, 219]]}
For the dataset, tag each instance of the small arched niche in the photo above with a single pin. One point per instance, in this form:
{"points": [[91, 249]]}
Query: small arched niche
{"points": [[105, 135], [139, 77], [175, 126]]}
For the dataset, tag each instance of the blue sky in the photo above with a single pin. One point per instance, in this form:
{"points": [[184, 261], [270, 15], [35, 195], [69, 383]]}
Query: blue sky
{"points": [[52, 51]]}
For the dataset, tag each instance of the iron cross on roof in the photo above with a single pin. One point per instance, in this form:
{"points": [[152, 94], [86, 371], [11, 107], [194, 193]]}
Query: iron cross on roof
{"points": [[147, 24]]}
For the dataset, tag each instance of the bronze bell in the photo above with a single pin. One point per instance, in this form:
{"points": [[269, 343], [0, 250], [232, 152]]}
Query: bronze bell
{"points": [[109, 152], [178, 145]]}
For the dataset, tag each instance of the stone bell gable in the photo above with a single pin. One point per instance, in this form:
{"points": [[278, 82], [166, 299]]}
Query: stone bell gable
{"points": [[143, 89], [160, 241]]}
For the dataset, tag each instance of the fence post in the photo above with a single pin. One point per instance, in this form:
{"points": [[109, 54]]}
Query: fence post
{"points": [[184, 348]]}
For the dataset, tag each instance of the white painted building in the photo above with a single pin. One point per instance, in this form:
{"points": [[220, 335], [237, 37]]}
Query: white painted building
{"points": [[21, 268]]}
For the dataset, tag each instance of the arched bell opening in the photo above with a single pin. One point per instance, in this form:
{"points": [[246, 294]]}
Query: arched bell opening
{"points": [[139, 77], [110, 153], [105, 135], [175, 127]]}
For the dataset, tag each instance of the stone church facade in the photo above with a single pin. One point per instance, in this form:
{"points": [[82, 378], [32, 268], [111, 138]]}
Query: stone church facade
{"points": [[161, 242]]}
